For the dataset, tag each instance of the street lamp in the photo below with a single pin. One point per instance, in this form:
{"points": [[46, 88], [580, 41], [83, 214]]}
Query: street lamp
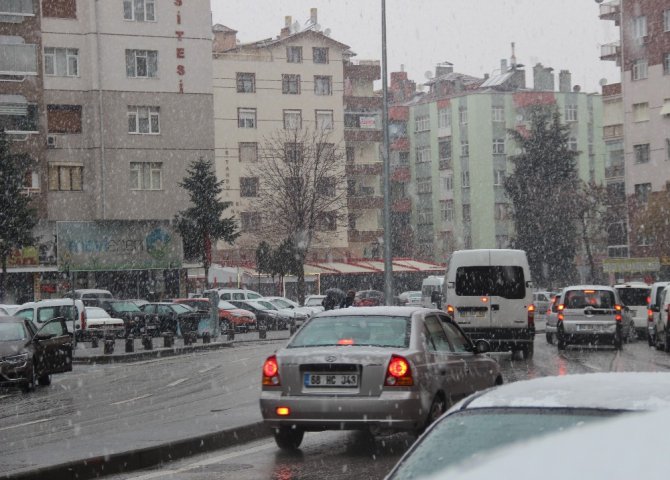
{"points": [[388, 264]]}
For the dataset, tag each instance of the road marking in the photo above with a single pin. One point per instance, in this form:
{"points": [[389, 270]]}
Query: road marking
{"points": [[4, 396], [131, 399], [211, 461], [42, 420], [176, 382], [207, 369]]}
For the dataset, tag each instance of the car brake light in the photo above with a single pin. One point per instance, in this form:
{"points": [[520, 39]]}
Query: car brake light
{"points": [[650, 315], [589, 291], [648, 300], [345, 341], [283, 411], [398, 373], [531, 316], [617, 309], [450, 309], [484, 299], [561, 307], [271, 372]]}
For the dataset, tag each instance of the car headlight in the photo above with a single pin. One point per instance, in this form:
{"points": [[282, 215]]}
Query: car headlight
{"points": [[17, 360]]}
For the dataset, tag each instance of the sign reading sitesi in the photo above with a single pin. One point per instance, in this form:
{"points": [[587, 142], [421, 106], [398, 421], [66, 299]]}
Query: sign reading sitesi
{"points": [[118, 245], [181, 51]]}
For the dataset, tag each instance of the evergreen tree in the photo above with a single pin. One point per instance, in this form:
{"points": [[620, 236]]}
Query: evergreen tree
{"points": [[202, 225], [286, 260], [542, 190], [17, 216]]}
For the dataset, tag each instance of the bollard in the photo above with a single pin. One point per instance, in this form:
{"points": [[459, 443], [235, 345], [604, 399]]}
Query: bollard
{"points": [[94, 341], [108, 346], [206, 337], [148, 342], [130, 344], [168, 340], [231, 333], [262, 331], [292, 329], [187, 339]]}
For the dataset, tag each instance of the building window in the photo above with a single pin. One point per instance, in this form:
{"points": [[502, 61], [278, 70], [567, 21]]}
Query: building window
{"points": [[144, 120], [666, 20], [641, 153], [16, 7], [666, 63], [293, 152], [248, 151], [18, 58], [500, 211], [640, 112], [146, 176], [498, 114], [498, 146], [61, 62], [327, 222], [422, 123], [424, 185], [64, 118], [642, 191], [326, 187], [324, 119], [444, 118], [294, 54], [292, 119], [463, 115], [465, 179], [59, 8], [423, 154], [572, 144], [250, 221], [139, 10], [19, 116], [571, 113], [141, 63], [467, 218], [322, 85], [246, 82], [447, 207], [639, 27], [447, 183], [351, 154], [640, 69], [499, 177], [65, 178], [465, 148], [248, 186], [246, 117], [320, 55], [290, 84], [444, 152]]}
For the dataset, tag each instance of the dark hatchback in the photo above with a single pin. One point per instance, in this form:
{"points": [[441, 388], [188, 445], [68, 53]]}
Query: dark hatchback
{"points": [[175, 318], [135, 320], [29, 356]]}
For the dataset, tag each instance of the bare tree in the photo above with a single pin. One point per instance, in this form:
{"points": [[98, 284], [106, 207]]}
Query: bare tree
{"points": [[593, 216], [302, 189]]}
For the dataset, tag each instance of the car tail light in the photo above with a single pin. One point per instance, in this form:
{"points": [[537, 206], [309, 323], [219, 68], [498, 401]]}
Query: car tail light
{"points": [[450, 309], [283, 411], [398, 373], [650, 315], [531, 316], [648, 300], [561, 307], [82, 319], [271, 372], [617, 316]]}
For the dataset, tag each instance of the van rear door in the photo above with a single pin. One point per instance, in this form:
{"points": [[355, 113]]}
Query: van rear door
{"points": [[508, 282], [471, 288]]}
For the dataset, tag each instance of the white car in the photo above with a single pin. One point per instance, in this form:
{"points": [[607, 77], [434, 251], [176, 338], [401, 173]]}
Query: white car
{"points": [[290, 309], [635, 295], [654, 310], [100, 323], [315, 302]]}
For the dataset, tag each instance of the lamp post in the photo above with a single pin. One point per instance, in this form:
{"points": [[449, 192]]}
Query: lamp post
{"points": [[388, 264]]}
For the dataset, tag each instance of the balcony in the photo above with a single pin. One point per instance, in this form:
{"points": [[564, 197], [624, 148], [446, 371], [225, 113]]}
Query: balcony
{"points": [[365, 236], [611, 90], [351, 135], [398, 113], [614, 171], [18, 59], [18, 117], [363, 104], [611, 11], [15, 9], [403, 205], [401, 175], [365, 202], [364, 168], [445, 164], [400, 144], [364, 70], [610, 51]]}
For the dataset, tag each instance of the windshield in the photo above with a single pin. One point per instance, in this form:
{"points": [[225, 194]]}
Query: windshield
{"points": [[500, 281], [179, 308], [12, 332], [381, 331], [265, 305], [125, 307], [314, 302], [459, 437], [634, 297], [279, 303], [227, 305], [94, 312]]}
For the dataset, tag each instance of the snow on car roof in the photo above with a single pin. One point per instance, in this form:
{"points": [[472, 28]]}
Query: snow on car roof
{"points": [[613, 390]]}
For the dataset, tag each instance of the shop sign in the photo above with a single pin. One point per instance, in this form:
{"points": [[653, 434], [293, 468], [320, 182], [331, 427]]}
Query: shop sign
{"points": [[645, 264]]}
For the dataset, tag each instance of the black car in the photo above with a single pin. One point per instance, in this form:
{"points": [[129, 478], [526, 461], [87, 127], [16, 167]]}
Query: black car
{"points": [[175, 318], [136, 321], [266, 313], [28, 355]]}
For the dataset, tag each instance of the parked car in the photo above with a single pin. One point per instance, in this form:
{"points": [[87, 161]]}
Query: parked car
{"points": [[542, 301], [90, 296], [29, 354], [635, 296], [234, 294], [136, 321], [552, 318], [291, 309], [99, 323], [242, 320], [44, 310], [266, 313], [591, 314], [374, 368], [369, 298], [411, 297], [520, 413], [174, 318], [315, 302], [654, 312], [9, 309]]}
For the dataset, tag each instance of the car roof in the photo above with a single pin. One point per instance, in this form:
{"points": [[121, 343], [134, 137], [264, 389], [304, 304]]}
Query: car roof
{"points": [[609, 391], [11, 319], [632, 285], [404, 311]]}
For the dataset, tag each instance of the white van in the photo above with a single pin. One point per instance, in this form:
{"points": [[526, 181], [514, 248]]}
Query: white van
{"points": [[654, 323], [431, 284], [229, 294], [489, 294], [42, 311], [635, 295]]}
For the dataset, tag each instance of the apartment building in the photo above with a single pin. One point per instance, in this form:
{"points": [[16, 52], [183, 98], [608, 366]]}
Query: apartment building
{"points": [[643, 54], [459, 148], [296, 79]]}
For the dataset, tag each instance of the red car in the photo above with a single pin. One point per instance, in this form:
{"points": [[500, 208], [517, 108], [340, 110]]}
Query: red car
{"points": [[242, 320], [369, 298]]}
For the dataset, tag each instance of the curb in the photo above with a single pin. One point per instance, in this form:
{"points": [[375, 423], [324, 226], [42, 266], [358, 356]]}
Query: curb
{"points": [[95, 467]]}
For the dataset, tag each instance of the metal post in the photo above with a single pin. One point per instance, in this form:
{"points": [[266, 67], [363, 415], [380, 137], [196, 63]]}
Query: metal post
{"points": [[388, 264]]}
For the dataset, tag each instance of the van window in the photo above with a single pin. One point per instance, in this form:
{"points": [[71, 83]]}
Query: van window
{"points": [[634, 297], [496, 280], [254, 295], [47, 313]]}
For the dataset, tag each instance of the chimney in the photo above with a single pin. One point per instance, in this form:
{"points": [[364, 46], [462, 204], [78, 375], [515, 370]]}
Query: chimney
{"points": [[543, 78], [564, 81], [443, 69], [503, 65], [312, 16], [224, 38], [286, 31]]}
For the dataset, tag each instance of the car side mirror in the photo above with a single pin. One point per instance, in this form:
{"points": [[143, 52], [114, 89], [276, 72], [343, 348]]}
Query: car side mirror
{"points": [[482, 346]]}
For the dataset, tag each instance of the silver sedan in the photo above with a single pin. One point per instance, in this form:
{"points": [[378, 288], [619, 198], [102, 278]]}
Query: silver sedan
{"points": [[374, 368]]}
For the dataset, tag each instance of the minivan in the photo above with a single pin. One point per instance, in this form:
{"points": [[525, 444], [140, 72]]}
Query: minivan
{"points": [[229, 294], [42, 311], [635, 295], [488, 292]]}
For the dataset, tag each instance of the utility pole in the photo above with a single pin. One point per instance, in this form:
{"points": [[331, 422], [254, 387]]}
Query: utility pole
{"points": [[388, 263]]}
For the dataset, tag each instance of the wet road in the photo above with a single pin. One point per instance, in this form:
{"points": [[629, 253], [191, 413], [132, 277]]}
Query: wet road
{"points": [[353, 455]]}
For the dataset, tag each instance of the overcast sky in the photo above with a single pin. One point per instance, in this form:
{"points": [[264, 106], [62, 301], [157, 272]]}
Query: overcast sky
{"points": [[472, 34]]}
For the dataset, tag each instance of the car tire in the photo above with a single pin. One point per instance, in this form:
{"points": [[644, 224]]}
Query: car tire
{"points": [[666, 344], [527, 351], [32, 380], [618, 341], [651, 338], [550, 338], [560, 341], [437, 408], [44, 380], [289, 438]]}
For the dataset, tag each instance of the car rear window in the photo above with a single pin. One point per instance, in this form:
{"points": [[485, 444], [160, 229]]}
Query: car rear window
{"points": [[589, 298], [374, 330], [634, 297], [497, 280]]}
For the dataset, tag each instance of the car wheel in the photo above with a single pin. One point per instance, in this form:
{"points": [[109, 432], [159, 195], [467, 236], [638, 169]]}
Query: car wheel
{"points": [[632, 334], [32, 380], [550, 338], [288, 438], [437, 408], [651, 338], [44, 380], [560, 341], [666, 345], [527, 351], [618, 341]]}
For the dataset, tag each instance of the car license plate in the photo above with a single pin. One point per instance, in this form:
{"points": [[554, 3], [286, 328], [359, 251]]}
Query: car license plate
{"points": [[473, 313], [331, 380], [584, 327], [632, 313]]}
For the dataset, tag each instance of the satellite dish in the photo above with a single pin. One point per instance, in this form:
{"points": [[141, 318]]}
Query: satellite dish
{"points": [[602, 82], [326, 32], [428, 74], [317, 27]]}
